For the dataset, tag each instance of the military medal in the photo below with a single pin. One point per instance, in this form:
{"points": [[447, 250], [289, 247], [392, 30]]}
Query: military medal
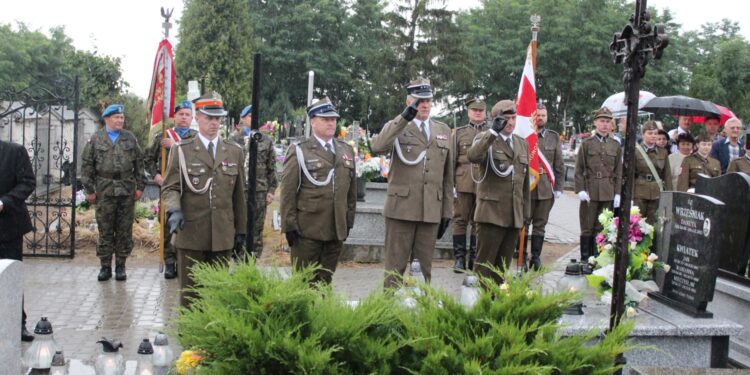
{"points": [[441, 137], [196, 180]]}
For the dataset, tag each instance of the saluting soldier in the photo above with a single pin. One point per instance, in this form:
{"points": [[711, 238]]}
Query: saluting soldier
{"points": [[741, 164], [503, 204], [698, 163], [598, 178], [265, 175], [465, 175], [549, 186], [183, 117], [652, 173], [318, 194], [419, 204], [113, 178], [204, 194]]}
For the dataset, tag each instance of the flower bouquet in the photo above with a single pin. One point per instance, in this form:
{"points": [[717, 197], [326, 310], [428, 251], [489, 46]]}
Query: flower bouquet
{"points": [[81, 203], [189, 361], [368, 167], [641, 264]]}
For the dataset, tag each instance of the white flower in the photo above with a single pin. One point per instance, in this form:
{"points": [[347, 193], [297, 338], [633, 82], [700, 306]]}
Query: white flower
{"points": [[630, 312], [649, 264], [592, 260], [645, 227], [652, 257], [608, 247], [633, 245], [667, 268], [607, 272]]}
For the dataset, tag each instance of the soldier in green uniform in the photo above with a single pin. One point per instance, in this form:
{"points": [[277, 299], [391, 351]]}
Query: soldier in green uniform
{"points": [[204, 194], [419, 204], [741, 164], [183, 117], [265, 175], [113, 178], [598, 176], [503, 204], [698, 163], [464, 175], [318, 194], [549, 186], [652, 173]]}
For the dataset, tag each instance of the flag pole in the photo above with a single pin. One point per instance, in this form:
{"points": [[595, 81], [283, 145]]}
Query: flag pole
{"points": [[165, 114], [520, 262]]}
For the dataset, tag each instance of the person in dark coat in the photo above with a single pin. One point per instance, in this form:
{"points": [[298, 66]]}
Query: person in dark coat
{"points": [[17, 182]]}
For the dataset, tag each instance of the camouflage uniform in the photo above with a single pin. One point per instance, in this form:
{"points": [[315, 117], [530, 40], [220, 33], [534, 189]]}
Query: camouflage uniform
{"points": [[153, 167], [114, 172], [265, 182]]}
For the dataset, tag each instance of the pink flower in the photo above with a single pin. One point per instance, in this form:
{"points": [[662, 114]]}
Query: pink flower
{"points": [[600, 238]]}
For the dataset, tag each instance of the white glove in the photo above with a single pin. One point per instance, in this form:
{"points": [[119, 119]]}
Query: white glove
{"points": [[558, 194], [617, 201], [691, 190], [455, 193], [584, 196]]}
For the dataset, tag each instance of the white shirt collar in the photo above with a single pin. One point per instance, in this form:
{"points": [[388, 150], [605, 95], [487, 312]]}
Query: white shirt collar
{"points": [[425, 123], [324, 143], [206, 141]]}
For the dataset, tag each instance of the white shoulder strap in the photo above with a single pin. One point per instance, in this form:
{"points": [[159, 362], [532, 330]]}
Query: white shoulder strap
{"points": [[186, 176]]}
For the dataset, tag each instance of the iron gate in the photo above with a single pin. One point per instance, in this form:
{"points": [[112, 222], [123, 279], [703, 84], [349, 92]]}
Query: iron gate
{"points": [[45, 122]]}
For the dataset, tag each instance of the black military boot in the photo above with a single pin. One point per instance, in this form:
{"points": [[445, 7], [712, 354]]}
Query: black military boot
{"points": [[120, 274], [472, 252], [170, 271], [536, 252], [585, 248], [105, 273], [459, 252]]}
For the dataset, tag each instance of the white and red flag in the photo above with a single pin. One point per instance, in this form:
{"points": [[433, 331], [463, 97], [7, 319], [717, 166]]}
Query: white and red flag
{"points": [[161, 92], [526, 119]]}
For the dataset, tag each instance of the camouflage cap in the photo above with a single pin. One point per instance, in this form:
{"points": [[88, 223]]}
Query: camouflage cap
{"points": [[504, 107], [603, 112], [476, 103], [420, 88]]}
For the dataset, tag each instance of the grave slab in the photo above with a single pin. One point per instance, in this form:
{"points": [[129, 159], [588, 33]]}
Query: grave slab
{"points": [[11, 290]]}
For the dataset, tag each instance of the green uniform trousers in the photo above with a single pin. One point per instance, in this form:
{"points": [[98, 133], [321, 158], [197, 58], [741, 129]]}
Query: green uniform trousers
{"points": [[540, 209], [308, 252], [648, 208], [463, 213], [405, 240], [588, 215], [495, 246], [186, 260], [114, 220]]}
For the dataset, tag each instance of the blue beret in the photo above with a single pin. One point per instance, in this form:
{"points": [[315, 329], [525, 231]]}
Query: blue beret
{"points": [[182, 105], [246, 111], [113, 109]]}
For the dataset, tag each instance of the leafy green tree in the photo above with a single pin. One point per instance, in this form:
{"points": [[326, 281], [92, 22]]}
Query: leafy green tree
{"points": [[724, 77], [216, 47], [31, 58]]}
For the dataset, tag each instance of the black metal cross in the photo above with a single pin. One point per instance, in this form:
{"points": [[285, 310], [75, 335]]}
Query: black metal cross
{"points": [[638, 42]]}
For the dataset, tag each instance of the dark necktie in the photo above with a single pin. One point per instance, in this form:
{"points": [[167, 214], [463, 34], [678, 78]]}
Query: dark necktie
{"points": [[211, 149], [329, 148], [509, 141], [424, 132]]}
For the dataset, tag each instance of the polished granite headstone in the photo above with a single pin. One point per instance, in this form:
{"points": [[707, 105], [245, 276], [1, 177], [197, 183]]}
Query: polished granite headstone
{"points": [[690, 227], [734, 245]]}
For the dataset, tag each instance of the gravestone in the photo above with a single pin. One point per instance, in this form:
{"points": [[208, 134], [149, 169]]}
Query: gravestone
{"points": [[734, 247], [687, 238]]}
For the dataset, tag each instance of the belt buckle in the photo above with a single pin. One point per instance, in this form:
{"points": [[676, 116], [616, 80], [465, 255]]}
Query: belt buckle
{"points": [[598, 174], [649, 177]]}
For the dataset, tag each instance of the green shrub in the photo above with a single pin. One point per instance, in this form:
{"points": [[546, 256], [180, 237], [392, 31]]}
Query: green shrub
{"points": [[251, 321]]}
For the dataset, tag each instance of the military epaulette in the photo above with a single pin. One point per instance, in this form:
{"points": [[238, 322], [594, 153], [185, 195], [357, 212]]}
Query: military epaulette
{"points": [[187, 141], [460, 127], [553, 132], [232, 143], [344, 143]]}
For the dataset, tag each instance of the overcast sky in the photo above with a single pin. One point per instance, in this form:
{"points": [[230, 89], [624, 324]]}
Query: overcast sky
{"points": [[131, 30]]}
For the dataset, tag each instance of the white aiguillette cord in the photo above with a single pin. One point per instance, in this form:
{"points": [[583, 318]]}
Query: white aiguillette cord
{"points": [[491, 164], [303, 169], [186, 176], [400, 154]]}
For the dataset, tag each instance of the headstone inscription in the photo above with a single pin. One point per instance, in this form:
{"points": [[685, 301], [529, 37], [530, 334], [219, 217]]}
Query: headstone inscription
{"points": [[734, 247], [687, 234]]}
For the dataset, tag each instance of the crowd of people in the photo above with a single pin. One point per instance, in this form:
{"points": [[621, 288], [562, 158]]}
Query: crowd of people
{"points": [[475, 178]]}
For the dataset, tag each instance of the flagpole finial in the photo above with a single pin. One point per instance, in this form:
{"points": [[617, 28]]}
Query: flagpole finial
{"points": [[535, 20], [166, 14]]}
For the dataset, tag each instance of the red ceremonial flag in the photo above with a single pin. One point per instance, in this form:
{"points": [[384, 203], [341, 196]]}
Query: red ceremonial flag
{"points": [[161, 92], [525, 120]]}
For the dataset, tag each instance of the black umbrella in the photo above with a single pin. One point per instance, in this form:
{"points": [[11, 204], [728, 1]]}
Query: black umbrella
{"points": [[681, 106]]}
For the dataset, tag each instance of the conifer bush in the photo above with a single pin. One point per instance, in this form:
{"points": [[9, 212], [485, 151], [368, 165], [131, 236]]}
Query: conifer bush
{"points": [[250, 321]]}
